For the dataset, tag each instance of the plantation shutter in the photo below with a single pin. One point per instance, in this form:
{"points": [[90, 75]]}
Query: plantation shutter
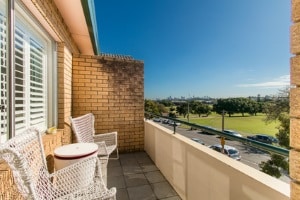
{"points": [[30, 88], [20, 82], [3, 79], [33, 53], [37, 86]]}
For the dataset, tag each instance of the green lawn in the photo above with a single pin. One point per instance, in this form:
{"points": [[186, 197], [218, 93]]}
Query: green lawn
{"points": [[244, 125]]}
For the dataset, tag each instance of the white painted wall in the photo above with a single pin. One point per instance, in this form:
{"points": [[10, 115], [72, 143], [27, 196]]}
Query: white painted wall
{"points": [[197, 172]]}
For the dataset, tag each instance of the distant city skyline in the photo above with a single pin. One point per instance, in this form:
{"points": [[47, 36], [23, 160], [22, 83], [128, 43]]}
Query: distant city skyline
{"points": [[208, 97], [232, 48]]}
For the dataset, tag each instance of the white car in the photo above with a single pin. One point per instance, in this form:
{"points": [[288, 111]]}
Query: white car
{"points": [[231, 132], [156, 119], [172, 123], [228, 150]]}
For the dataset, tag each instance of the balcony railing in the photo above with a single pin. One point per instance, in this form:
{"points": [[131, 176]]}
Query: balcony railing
{"points": [[246, 141], [198, 172]]}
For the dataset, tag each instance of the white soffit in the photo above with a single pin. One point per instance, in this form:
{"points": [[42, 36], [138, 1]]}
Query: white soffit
{"points": [[73, 15]]}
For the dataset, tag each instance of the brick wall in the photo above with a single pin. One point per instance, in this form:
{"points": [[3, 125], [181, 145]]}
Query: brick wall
{"points": [[295, 101], [64, 63], [113, 90], [64, 58]]}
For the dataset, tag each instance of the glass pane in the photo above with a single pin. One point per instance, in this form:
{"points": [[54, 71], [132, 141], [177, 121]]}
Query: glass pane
{"points": [[3, 74]]}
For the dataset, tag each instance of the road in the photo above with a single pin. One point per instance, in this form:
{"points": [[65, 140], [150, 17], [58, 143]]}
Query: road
{"points": [[249, 155]]}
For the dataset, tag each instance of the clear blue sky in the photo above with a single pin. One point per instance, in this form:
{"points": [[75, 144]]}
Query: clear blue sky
{"points": [[216, 48]]}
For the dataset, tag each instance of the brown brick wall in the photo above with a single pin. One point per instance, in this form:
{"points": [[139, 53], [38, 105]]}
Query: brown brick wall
{"points": [[113, 90], [7, 188], [64, 58], [295, 101]]}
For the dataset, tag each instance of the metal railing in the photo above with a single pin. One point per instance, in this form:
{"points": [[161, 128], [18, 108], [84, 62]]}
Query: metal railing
{"points": [[267, 147]]}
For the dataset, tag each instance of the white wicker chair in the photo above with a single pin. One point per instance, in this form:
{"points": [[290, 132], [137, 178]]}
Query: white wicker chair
{"points": [[83, 128], [25, 156]]}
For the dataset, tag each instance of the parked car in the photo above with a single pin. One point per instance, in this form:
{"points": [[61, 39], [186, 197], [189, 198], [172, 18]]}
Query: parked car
{"points": [[198, 140], [165, 121], [156, 119], [263, 138], [205, 131], [171, 122], [231, 132], [230, 151], [274, 140]]}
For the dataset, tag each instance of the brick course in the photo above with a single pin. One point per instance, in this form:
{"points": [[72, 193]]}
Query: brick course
{"points": [[114, 93], [295, 101]]}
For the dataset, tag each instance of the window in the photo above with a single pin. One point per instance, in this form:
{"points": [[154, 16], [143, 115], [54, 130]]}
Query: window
{"points": [[3, 71], [33, 68]]}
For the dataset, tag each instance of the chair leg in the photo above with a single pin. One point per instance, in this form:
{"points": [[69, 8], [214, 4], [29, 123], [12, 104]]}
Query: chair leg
{"points": [[104, 162], [117, 155]]}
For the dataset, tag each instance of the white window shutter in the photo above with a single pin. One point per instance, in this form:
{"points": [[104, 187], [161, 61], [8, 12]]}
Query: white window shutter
{"points": [[37, 86], [20, 82]]}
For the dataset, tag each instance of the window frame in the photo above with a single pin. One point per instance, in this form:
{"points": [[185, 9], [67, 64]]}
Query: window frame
{"points": [[33, 29]]}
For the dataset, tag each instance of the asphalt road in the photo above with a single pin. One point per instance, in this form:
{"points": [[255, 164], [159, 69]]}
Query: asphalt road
{"points": [[249, 155]]}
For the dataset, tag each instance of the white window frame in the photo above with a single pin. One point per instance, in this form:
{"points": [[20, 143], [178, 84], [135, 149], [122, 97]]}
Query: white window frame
{"points": [[27, 23]]}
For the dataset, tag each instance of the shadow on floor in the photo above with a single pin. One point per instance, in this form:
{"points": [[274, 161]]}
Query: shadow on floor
{"points": [[137, 178]]}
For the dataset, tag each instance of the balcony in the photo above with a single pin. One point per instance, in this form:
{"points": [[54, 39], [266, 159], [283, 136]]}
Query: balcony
{"points": [[194, 171]]}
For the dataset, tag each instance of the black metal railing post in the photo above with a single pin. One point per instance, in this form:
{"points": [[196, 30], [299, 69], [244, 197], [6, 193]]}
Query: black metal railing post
{"points": [[174, 125]]}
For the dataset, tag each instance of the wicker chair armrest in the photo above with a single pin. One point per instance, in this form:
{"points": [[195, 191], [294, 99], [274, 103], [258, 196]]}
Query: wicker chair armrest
{"points": [[109, 138], [102, 149], [95, 189], [82, 173]]}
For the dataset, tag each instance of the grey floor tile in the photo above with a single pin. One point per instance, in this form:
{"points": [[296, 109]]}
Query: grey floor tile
{"points": [[143, 192], [122, 194], [113, 163], [137, 178], [127, 156], [116, 181], [131, 169], [142, 157], [114, 171], [132, 180], [148, 167], [128, 161], [163, 190], [155, 177]]}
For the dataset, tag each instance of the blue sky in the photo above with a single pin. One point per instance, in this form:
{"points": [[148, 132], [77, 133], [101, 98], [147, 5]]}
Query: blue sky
{"points": [[216, 48]]}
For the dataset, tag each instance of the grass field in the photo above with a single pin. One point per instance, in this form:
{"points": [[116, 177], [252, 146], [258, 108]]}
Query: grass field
{"points": [[247, 125]]}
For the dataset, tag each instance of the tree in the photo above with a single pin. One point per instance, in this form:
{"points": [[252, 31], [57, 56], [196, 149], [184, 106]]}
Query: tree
{"points": [[278, 110], [225, 104], [273, 166], [182, 109], [154, 107], [237, 105], [201, 108], [166, 102]]}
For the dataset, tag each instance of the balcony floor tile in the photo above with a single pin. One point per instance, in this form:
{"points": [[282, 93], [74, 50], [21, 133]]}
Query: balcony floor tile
{"points": [[137, 178]]}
